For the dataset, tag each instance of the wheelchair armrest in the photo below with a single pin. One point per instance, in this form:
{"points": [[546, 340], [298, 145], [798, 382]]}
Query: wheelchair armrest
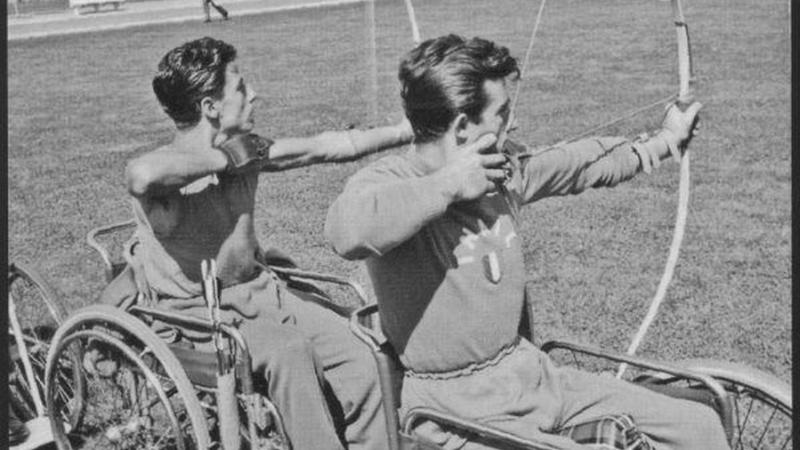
{"points": [[725, 408], [769, 386], [362, 324], [506, 439], [290, 272], [92, 240], [243, 361]]}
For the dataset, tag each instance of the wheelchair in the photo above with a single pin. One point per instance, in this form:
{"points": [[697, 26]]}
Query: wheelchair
{"points": [[34, 315], [146, 388], [754, 407]]}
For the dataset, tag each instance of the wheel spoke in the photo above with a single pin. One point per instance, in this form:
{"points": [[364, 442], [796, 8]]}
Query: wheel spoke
{"points": [[766, 427], [148, 408], [748, 414], [575, 360]]}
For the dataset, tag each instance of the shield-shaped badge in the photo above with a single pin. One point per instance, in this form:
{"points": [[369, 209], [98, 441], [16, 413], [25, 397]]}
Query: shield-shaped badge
{"points": [[491, 267]]}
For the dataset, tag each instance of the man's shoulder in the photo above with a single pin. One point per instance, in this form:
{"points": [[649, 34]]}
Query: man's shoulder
{"points": [[386, 169], [159, 149], [169, 147], [399, 165]]}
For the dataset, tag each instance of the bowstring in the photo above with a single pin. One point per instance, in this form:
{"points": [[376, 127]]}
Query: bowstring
{"points": [[622, 117], [586, 132]]}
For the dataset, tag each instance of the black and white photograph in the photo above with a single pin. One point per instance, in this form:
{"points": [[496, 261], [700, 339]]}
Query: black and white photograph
{"points": [[399, 224]]}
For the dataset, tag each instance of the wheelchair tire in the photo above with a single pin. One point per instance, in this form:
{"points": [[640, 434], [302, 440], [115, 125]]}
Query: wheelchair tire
{"points": [[137, 394], [39, 315], [762, 403], [35, 285]]}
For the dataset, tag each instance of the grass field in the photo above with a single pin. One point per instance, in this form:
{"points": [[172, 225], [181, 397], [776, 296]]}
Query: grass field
{"points": [[80, 106]]}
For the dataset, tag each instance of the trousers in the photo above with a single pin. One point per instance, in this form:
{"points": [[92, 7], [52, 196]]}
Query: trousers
{"points": [[322, 379], [526, 394]]}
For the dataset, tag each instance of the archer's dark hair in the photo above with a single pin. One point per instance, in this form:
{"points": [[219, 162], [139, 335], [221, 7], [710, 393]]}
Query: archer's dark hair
{"points": [[443, 77], [187, 74]]}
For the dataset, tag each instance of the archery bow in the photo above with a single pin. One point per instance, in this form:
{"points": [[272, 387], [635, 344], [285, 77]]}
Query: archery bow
{"points": [[525, 62], [412, 18], [684, 98]]}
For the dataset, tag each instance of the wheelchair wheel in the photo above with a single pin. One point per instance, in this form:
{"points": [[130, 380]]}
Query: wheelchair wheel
{"points": [[762, 403], [137, 394], [38, 315]]}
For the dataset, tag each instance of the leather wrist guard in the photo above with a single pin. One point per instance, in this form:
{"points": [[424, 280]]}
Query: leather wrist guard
{"points": [[244, 150]]}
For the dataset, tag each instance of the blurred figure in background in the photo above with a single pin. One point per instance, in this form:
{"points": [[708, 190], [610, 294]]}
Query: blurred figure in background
{"points": [[207, 10]]}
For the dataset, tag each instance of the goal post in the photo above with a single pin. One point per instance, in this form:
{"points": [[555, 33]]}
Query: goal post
{"points": [[371, 61]]}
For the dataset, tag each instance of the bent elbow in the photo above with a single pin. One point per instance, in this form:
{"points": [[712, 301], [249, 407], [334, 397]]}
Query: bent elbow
{"points": [[340, 240], [353, 252], [344, 238], [137, 178]]}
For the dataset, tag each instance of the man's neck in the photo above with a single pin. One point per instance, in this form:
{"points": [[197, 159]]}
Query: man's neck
{"points": [[433, 154], [200, 137]]}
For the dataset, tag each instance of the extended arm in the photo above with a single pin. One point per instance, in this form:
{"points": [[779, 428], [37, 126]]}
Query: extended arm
{"points": [[605, 162], [335, 146], [166, 170], [575, 167]]}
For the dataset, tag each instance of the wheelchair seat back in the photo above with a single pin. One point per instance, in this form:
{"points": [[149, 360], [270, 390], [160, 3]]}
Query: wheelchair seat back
{"points": [[199, 363], [109, 241], [201, 366]]}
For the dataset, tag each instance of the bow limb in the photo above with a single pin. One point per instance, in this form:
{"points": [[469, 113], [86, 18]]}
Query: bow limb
{"points": [[412, 18], [525, 62], [684, 98]]}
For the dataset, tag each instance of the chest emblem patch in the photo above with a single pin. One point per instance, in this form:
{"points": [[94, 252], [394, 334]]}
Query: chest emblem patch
{"points": [[491, 267], [485, 248]]}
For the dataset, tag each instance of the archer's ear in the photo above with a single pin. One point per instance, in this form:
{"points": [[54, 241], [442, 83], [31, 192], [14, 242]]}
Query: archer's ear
{"points": [[209, 108], [460, 126]]}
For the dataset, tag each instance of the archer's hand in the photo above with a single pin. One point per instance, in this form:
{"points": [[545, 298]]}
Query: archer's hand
{"points": [[679, 127], [474, 170]]}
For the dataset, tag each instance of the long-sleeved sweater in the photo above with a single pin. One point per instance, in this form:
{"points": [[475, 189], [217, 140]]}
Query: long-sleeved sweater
{"points": [[449, 276]]}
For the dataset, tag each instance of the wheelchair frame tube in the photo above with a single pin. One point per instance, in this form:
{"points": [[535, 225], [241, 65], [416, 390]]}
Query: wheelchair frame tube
{"points": [[91, 239], [424, 413], [713, 385], [243, 354], [25, 357], [368, 337], [298, 273]]}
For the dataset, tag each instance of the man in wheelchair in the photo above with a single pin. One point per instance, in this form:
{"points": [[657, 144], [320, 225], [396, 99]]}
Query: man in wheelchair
{"points": [[194, 199], [437, 228]]}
